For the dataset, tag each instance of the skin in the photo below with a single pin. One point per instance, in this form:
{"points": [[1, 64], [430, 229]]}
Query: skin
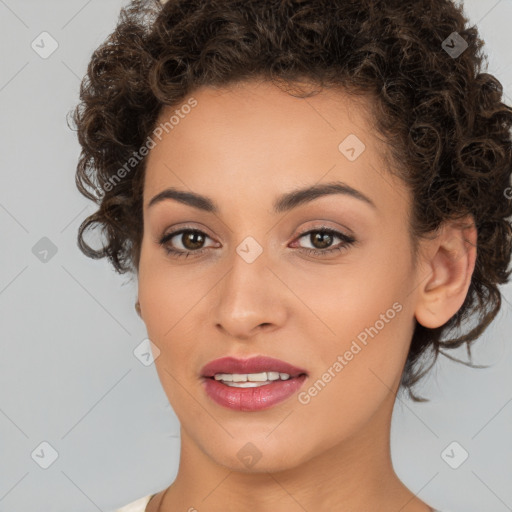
{"points": [[243, 146]]}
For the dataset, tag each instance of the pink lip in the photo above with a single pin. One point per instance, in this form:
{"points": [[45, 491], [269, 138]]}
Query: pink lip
{"points": [[256, 398], [252, 365]]}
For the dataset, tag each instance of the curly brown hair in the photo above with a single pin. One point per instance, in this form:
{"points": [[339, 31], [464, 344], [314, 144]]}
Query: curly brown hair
{"points": [[448, 131]]}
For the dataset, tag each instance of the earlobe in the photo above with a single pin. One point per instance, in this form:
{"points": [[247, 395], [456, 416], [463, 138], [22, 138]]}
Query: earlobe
{"points": [[449, 267], [137, 308]]}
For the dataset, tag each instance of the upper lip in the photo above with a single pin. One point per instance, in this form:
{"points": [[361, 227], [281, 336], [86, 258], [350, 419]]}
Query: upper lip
{"points": [[256, 364]]}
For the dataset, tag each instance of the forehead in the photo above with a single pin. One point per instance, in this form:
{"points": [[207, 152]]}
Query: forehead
{"points": [[255, 136], [247, 104]]}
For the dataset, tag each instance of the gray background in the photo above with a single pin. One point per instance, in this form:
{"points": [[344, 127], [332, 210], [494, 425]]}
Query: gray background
{"points": [[68, 374]]}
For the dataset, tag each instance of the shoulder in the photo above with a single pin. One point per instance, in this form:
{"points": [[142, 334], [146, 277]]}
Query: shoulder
{"points": [[137, 505]]}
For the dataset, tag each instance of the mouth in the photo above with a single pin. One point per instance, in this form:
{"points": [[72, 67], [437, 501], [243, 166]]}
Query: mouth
{"points": [[251, 384]]}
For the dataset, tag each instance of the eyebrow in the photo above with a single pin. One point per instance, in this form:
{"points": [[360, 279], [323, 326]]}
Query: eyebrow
{"points": [[283, 203]]}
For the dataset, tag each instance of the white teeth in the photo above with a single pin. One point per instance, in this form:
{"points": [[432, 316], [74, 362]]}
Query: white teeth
{"points": [[255, 377], [250, 380], [246, 384], [224, 376]]}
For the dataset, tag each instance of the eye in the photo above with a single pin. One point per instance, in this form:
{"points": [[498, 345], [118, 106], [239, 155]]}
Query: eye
{"points": [[190, 239], [322, 237]]}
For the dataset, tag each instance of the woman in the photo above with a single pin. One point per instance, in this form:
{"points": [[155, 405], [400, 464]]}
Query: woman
{"points": [[312, 194]]}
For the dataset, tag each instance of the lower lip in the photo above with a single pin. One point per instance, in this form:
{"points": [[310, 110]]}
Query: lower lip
{"points": [[252, 399]]}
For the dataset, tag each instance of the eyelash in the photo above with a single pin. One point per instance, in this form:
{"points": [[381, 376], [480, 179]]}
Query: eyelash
{"points": [[347, 242]]}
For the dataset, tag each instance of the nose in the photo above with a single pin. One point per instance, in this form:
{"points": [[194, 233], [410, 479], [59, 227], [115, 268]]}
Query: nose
{"points": [[250, 299]]}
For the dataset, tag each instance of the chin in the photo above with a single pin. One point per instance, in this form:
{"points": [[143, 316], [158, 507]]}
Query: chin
{"points": [[257, 454], [273, 463]]}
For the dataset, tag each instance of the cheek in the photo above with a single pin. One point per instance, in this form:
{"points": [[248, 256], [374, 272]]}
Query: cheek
{"points": [[367, 292], [166, 293], [354, 377], [170, 297], [165, 311], [361, 328]]}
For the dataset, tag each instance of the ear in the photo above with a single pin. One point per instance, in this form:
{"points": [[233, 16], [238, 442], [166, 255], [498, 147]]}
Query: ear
{"points": [[447, 267]]}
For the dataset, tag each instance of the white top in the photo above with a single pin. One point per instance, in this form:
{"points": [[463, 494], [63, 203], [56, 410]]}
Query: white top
{"points": [[140, 505], [136, 506]]}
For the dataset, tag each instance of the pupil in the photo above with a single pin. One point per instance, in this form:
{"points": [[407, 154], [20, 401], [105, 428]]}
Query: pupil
{"points": [[191, 235], [321, 237]]}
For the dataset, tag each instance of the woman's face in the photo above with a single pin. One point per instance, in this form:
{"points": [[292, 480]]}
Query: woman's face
{"points": [[250, 287]]}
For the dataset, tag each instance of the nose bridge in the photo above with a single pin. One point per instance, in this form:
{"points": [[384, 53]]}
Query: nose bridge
{"points": [[246, 297]]}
